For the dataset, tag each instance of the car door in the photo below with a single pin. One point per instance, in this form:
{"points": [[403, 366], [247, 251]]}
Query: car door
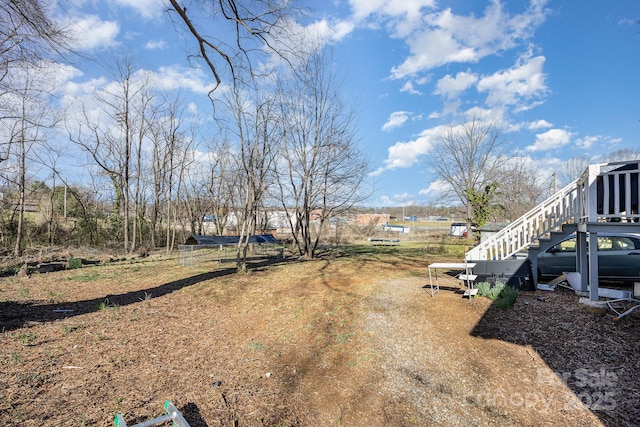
{"points": [[558, 259], [618, 256]]}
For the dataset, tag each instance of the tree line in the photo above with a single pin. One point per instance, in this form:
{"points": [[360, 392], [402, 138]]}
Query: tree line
{"points": [[279, 140]]}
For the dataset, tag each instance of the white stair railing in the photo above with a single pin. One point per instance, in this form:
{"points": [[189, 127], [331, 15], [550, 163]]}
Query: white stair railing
{"points": [[605, 192], [542, 219]]}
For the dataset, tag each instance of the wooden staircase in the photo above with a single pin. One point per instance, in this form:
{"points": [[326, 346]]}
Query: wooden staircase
{"points": [[605, 198]]}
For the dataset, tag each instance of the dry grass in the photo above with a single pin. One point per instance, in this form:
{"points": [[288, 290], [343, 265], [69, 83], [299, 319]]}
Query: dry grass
{"points": [[350, 339]]}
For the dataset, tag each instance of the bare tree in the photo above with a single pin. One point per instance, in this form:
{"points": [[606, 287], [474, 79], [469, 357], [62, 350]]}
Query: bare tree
{"points": [[170, 147], [30, 117], [573, 168], [113, 139], [320, 170], [623, 155], [252, 24], [255, 128], [221, 184], [469, 158], [27, 36], [520, 189]]}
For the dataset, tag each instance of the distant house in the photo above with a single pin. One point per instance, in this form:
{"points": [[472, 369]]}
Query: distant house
{"points": [[490, 229], [372, 219]]}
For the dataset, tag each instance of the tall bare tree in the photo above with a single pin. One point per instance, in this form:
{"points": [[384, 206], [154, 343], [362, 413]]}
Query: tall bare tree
{"points": [[30, 117], [320, 168], [220, 184], [171, 143], [255, 129], [469, 158], [113, 138], [573, 168]]}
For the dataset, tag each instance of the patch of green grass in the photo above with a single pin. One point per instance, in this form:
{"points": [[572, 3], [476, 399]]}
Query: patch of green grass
{"points": [[67, 329], [88, 276], [27, 337], [344, 338], [257, 346], [110, 306], [54, 295], [24, 293]]}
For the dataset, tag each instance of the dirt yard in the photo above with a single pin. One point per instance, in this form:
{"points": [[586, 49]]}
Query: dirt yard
{"points": [[342, 341]]}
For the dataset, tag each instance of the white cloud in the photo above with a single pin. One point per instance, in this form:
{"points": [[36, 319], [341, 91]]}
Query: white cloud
{"points": [[403, 198], [406, 154], [409, 88], [539, 124], [91, 32], [588, 141], [328, 31], [292, 38], [385, 200], [155, 45], [436, 189], [395, 120], [551, 139], [177, 77], [405, 15], [64, 74], [148, 9], [450, 87], [449, 38], [520, 83], [486, 114]]}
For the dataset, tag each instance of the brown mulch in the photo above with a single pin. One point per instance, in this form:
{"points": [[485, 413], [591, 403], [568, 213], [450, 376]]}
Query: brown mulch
{"points": [[354, 341]]}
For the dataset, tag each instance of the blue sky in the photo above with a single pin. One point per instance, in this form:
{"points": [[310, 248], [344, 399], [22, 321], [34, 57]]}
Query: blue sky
{"points": [[562, 77]]}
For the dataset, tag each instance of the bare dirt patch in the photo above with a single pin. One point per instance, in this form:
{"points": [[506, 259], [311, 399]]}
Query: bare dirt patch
{"points": [[352, 341]]}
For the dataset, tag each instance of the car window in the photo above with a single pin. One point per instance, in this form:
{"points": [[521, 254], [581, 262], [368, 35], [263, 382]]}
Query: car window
{"points": [[605, 243], [568, 245], [621, 243]]}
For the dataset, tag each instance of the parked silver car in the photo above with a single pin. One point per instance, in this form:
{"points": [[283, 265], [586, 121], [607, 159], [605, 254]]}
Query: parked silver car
{"points": [[618, 257]]}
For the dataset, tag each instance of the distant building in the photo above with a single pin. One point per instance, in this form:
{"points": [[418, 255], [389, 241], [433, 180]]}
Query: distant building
{"points": [[372, 219]]}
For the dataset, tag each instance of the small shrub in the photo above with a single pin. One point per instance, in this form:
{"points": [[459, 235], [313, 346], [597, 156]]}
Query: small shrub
{"points": [[489, 290], [75, 263], [484, 288], [27, 337], [506, 298], [496, 290]]}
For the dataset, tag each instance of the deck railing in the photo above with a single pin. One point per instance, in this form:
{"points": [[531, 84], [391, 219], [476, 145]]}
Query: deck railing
{"points": [[603, 193]]}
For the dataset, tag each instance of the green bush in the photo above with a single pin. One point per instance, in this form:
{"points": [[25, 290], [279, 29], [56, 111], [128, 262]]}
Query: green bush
{"points": [[483, 288], [75, 263], [489, 290], [504, 296]]}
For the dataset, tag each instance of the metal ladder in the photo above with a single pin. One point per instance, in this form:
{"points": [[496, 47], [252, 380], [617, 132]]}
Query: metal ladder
{"points": [[172, 414]]}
